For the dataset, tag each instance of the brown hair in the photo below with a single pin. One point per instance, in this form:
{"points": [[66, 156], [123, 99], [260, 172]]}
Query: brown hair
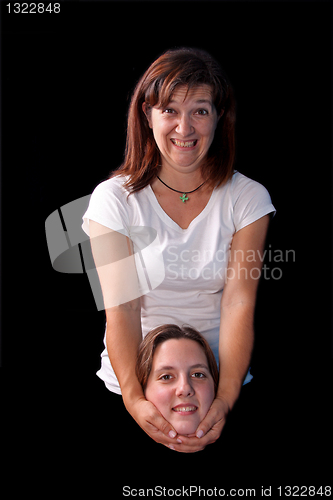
{"points": [[187, 67], [162, 334]]}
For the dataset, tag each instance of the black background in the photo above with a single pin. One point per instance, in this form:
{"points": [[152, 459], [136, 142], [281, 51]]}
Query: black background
{"points": [[66, 83]]}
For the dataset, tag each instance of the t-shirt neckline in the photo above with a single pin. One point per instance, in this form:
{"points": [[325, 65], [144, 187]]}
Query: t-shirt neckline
{"points": [[167, 219]]}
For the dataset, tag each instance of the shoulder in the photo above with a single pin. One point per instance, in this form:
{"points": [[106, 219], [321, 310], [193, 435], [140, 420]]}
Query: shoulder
{"points": [[242, 186], [250, 201], [108, 205], [112, 186]]}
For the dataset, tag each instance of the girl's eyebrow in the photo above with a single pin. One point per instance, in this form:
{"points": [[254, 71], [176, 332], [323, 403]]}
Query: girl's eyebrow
{"points": [[168, 367], [199, 365]]}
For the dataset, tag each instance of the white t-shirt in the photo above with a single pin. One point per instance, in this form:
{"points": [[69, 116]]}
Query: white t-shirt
{"points": [[185, 284]]}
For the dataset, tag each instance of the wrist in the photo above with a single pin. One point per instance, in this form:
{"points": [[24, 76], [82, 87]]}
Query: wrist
{"points": [[229, 391], [132, 392]]}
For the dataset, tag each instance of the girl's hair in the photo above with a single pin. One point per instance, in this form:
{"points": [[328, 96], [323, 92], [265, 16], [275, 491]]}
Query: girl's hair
{"points": [[166, 332], [186, 67]]}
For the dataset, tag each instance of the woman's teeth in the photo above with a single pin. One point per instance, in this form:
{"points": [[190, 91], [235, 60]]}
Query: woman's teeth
{"points": [[185, 408], [181, 144]]}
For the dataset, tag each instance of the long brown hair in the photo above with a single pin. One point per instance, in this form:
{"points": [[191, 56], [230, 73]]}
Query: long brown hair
{"points": [[162, 334], [187, 67]]}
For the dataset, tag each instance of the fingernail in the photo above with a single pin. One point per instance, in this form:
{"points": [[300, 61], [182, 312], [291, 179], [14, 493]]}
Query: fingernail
{"points": [[172, 434], [179, 441], [172, 447], [199, 434]]}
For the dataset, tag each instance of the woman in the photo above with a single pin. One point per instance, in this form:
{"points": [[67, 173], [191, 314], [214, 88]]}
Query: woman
{"points": [[178, 374], [178, 183]]}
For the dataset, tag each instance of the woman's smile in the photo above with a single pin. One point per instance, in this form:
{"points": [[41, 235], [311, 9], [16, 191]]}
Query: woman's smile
{"points": [[184, 145]]}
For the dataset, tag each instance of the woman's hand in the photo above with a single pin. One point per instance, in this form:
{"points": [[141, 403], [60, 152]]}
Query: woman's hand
{"points": [[152, 422], [208, 431]]}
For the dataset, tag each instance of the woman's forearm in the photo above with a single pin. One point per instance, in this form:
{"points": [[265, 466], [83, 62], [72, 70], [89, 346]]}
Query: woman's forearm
{"points": [[235, 348], [123, 337]]}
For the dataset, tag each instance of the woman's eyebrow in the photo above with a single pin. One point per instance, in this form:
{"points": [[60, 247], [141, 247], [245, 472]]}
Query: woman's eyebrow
{"points": [[198, 101], [207, 101]]}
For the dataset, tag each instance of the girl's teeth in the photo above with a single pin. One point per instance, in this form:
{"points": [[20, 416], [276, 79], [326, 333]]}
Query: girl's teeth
{"points": [[185, 408]]}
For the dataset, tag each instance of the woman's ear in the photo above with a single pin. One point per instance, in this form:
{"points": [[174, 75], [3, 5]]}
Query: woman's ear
{"points": [[220, 116], [146, 108]]}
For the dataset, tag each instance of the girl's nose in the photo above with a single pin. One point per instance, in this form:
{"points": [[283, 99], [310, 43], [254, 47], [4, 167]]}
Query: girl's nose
{"points": [[184, 127], [184, 387]]}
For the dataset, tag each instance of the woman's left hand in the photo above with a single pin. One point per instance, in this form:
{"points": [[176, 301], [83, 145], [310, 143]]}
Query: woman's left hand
{"points": [[209, 429]]}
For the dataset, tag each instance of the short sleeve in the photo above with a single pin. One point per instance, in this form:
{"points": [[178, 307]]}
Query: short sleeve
{"points": [[107, 206], [251, 201]]}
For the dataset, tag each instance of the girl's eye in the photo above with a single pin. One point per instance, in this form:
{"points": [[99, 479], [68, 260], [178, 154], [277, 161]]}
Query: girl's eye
{"points": [[165, 377], [169, 111], [198, 375]]}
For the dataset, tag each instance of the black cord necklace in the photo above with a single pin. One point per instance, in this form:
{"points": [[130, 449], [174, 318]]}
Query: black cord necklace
{"points": [[184, 197]]}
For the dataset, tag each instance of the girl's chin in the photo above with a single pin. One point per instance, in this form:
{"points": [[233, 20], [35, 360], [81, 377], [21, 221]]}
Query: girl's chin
{"points": [[185, 429]]}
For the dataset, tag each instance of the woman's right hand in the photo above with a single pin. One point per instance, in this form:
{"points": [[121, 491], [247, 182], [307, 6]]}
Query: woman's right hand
{"points": [[152, 422]]}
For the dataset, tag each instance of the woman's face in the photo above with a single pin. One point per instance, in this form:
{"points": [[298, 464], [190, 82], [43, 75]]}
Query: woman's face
{"points": [[185, 129], [180, 384]]}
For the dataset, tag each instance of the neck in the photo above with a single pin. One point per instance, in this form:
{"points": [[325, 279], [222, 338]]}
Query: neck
{"points": [[182, 181]]}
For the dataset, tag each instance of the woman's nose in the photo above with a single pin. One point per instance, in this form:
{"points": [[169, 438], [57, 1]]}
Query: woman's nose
{"points": [[184, 388], [184, 127]]}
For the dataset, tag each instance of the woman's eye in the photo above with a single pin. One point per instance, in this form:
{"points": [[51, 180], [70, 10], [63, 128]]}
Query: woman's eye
{"points": [[165, 377], [169, 111], [198, 375], [202, 112]]}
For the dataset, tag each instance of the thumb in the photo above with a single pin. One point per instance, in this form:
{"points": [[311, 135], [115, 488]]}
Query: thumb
{"points": [[163, 425], [203, 427], [215, 417]]}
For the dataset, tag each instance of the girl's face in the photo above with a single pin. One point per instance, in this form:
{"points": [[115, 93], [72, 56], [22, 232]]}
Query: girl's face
{"points": [[180, 384], [185, 129]]}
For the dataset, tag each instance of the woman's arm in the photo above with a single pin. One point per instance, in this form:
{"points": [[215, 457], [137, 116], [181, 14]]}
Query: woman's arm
{"points": [[238, 306], [115, 264], [236, 330]]}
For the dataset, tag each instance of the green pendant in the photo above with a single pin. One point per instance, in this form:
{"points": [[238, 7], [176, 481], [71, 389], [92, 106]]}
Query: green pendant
{"points": [[184, 198]]}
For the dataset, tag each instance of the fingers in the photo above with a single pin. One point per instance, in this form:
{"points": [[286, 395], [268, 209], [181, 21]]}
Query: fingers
{"points": [[215, 416], [155, 425], [185, 444], [194, 444], [161, 438], [210, 422], [161, 431], [162, 425]]}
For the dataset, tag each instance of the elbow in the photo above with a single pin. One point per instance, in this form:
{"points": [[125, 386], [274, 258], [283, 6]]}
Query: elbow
{"points": [[130, 306], [239, 302]]}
